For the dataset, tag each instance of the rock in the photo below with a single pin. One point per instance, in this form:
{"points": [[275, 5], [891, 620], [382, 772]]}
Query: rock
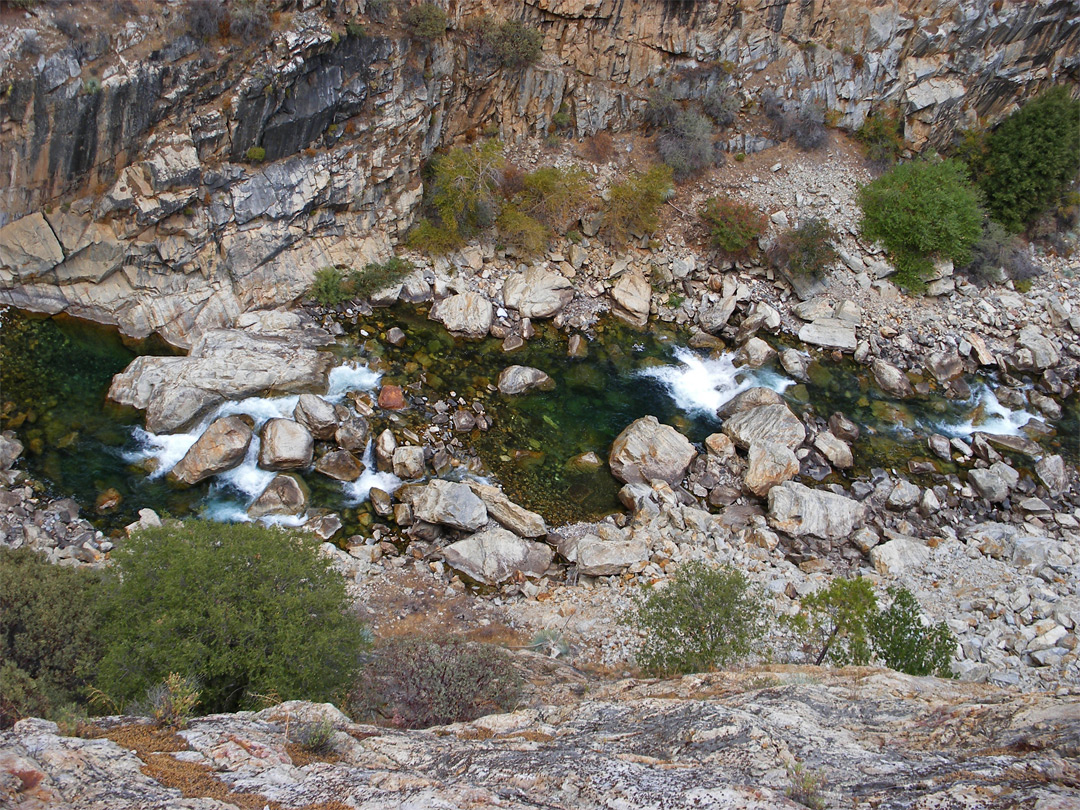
{"points": [[395, 336], [903, 496], [468, 314], [603, 558], [495, 555], [715, 317], [994, 483], [748, 400], [317, 415], [646, 450], [285, 445], [385, 446], [577, 346], [381, 502], [284, 495], [891, 380], [795, 363], [222, 364], [221, 447], [830, 333], [340, 465], [754, 353], [1034, 351], [1031, 552], [632, 294], [939, 445], [408, 462], [1050, 469], [837, 452], [865, 539], [588, 462], [519, 379], [849, 311], [353, 434], [719, 445], [516, 518], [392, 398], [29, 248], [10, 450], [843, 428], [767, 423], [770, 463], [450, 504], [945, 365], [537, 293], [814, 309], [799, 510], [898, 557]]}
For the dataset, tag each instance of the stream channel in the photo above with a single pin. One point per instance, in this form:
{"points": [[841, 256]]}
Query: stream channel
{"points": [[55, 372]]}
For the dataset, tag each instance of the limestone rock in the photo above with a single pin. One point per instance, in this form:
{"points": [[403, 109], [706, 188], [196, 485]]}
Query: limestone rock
{"points": [[632, 294], [468, 314], [284, 495], [603, 558], [516, 518], [836, 451], [222, 446], [537, 293], [1034, 351], [799, 510], [450, 504], [770, 463], [340, 465], [891, 380], [830, 333], [766, 423], [317, 415], [647, 449], [409, 462], [904, 495], [945, 365], [494, 555], [285, 445], [519, 379], [899, 556], [994, 483]]}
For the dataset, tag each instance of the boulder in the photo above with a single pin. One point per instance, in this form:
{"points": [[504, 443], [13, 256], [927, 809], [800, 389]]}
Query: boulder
{"points": [[537, 293], [317, 415], [904, 495], [799, 510], [1049, 469], [603, 558], [632, 294], [836, 451], [754, 353], [766, 423], [10, 450], [795, 363], [221, 447], [519, 379], [899, 556], [830, 333], [747, 400], [340, 465], [353, 434], [770, 463], [392, 398], [715, 317], [285, 445], [385, 446], [891, 380], [468, 314], [284, 495], [408, 462], [843, 428], [1034, 352], [994, 483], [516, 518], [647, 449], [945, 365], [495, 555], [450, 504]]}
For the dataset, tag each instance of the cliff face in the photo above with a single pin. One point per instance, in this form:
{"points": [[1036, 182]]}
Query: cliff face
{"points": [[131, 199]]}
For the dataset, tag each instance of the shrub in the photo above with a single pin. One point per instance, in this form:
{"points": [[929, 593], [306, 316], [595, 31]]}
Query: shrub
{"points": [[427, 237], [703, 619], [721, 104], [49, 641], [203, 18], [329, 287], [241, 608], [513, 44], [255, 154], [806, 786], [661, 110], [426, 21], [355, 30], [882, 135], [554, 196], [422, 682], [520, 231], [316, 737], [633, 206], [688, 145], [903, 643], [598, 148], [465, 187], [249, 21], [996, 255], [377, 276], [806, 250], [808, 128], [172, 702], [562, 120], [733, 226], [1031, 158], [834, 622], [921, 210]]}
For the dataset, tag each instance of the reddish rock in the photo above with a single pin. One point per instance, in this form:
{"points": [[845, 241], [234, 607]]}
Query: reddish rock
{"points": [[392, 398]]}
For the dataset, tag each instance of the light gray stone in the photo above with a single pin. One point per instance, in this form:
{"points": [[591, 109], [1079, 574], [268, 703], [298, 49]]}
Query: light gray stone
{"points": [[285, 445], [766, 423], [537, 293], [408, 462], [830, 333], [898, 557], [646, 450], [770, 463], [284, 495], [317, 415], [468, 314], [516, 518], [450, 504], [632, 294], [799, 510], [495, 555], [519, 379]]}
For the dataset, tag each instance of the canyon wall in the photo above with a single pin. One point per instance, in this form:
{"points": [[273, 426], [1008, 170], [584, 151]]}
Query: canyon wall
{"points": [[166, 185]]}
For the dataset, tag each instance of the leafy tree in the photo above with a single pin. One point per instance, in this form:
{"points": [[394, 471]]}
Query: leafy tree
{"points": [[1031, 158], [921, 210], [49, 643], [239, 608], [902, 641], [834, 622], [702, 619], [426, 21]]}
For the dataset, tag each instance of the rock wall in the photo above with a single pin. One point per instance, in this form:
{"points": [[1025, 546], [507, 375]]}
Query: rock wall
{"points": [[133, 198]]}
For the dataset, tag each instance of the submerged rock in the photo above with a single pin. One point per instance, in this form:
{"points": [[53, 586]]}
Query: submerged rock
{"points": [[647, 449], [519, 379], [494, 555], [221, 447], [891, 380]]}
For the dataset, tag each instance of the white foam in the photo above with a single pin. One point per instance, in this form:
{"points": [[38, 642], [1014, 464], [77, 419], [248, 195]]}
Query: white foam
{"points": [[347, 378], [358, 491], [167, 449], [703, 385], [995, 419]]}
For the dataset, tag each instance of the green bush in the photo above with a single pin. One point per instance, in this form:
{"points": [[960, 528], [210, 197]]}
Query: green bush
{"points": [[833, 623], [806, 786], [242, 609], [316, 737], [426, 21], [377, 276], [526, 235], [704, 618], [255, 154], [919, 211], [427, 237], [422, 682], [903, 643], [688, 145], [49, 641], [633, 206], [1031, 158], [329, 287], [355, 29], [882, 135], [554, 196], [733, 226], [465, 187], [806, 250], [513, 44]]}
